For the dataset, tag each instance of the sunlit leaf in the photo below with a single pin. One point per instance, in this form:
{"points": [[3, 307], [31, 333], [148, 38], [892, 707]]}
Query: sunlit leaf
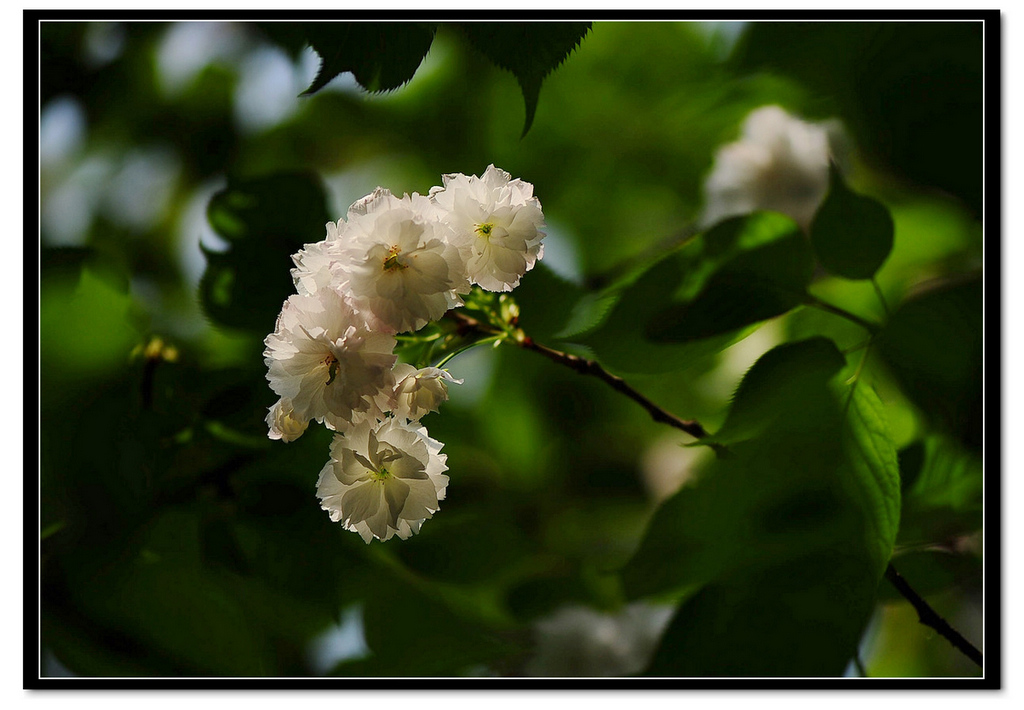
{"points": [[777, 495], [789, 532], [875, 479], [85, 325], [776, 387], [943, 500]]}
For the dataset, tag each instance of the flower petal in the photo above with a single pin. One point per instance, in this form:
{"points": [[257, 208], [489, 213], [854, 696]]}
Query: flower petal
{"points": [[362, 501]]}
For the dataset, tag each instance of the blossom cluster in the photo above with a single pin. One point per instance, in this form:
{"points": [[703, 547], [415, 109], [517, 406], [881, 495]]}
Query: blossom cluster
{"points": [[392, 265]]}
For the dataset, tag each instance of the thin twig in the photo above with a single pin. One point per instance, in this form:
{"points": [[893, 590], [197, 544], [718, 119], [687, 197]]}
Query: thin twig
{"points": [[590, 367], [930, 618]]}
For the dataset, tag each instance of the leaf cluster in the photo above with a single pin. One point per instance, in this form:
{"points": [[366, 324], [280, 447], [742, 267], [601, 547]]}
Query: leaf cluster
{"points": [[383, 56]]}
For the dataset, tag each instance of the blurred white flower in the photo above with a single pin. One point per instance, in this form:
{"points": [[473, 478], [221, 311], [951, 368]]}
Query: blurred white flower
{"points": [[282, 422], [780, 164], [418, 392], [383, 479], [397, 260], [579, 641], [327, 360], [496, 223]]}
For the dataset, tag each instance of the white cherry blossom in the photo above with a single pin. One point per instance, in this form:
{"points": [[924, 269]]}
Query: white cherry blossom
{"points": [[418, 392], [496, 223], [327, 359], [392, 265], [383, 479], [398, 262]]}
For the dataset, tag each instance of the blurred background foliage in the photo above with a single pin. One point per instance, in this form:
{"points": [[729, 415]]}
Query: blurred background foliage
{"points": [[178, 540]]}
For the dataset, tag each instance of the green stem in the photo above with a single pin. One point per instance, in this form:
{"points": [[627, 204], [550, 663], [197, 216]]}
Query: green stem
{"points": [[491, 339], [418, 338], [867, 325], [881, 297]]}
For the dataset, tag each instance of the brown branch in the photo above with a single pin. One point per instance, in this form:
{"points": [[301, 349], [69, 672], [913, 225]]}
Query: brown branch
{"points": [[930, 618], [590, 367]]}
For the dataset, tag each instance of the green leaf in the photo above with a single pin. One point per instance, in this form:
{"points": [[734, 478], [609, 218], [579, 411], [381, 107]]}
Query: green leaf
{"points": [[943, 500], [776, 495], [157, 595], [530, 50], [789, 533], [875, 479], [950, 477], [587, 313], [776, 387], [713, 285], [757, 285], [381, 55], [69, 262], [801, 618], [933, 345], [461, 636], [265, 220], [852, 234], [544, 298], [93, 314]]}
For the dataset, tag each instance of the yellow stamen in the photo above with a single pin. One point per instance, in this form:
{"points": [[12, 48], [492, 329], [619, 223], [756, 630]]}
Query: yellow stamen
{"points": [[391, 262]]}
